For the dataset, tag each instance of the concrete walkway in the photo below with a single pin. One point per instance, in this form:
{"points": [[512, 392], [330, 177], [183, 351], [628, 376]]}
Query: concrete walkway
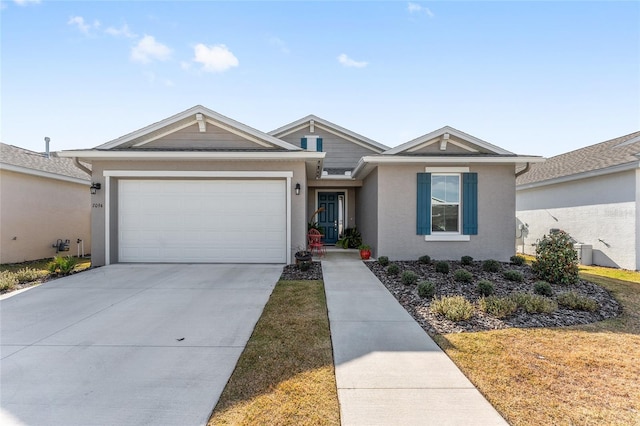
{"points": [[388, 370]]}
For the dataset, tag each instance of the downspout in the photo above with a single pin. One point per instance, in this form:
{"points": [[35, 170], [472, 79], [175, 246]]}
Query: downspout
{"points": [[83, 168], [525, 170]]}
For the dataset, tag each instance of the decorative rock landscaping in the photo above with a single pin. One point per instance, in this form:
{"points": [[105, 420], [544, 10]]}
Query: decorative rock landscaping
{"points": [[447, 285]]}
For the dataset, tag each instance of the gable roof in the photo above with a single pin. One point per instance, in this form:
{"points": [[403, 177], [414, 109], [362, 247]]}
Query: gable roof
{"points": [[330, 127], [22, 160], [195, 115], [604, 157], [470, 143]]}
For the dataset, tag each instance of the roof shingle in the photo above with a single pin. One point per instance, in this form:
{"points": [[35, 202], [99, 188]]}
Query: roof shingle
{"points": [[15, 156]]}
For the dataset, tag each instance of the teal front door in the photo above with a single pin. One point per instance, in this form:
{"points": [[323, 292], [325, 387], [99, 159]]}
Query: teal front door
{"points": [[329, 217]]}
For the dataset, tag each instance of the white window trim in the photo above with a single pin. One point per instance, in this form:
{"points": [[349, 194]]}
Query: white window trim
{"points": [[313, 147], [449, 236], [108, 174]]}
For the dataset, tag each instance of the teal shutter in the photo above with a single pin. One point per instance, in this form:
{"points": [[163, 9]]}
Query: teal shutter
{"points": [[319, 145], [423, 226], [470, 203], [303, 143]]}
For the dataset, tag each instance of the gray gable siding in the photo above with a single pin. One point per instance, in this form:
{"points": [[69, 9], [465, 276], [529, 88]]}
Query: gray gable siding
{"points": [[191, 138], [341, 153], [434, 149]]}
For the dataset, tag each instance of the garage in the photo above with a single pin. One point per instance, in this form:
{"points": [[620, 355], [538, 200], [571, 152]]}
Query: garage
{"points": [[202, 220]]}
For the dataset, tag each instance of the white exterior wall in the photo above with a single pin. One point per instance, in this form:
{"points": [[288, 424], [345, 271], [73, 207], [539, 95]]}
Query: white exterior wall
{"points": [[600, 211]]}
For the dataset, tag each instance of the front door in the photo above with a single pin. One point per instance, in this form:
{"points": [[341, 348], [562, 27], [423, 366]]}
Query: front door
{"points": [[328, 218]]}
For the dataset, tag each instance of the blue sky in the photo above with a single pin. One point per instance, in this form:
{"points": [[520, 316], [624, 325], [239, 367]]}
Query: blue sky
{"points": [[536, 78]]}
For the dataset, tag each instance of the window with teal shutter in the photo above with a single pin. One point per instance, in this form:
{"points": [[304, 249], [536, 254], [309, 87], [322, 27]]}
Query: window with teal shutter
{"points": [[319, 144], [470, 203], [424, 204], [303, 143]]}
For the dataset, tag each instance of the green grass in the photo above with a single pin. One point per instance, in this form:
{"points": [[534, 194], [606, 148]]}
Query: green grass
{"points": [[33, 272], [285, 376]]}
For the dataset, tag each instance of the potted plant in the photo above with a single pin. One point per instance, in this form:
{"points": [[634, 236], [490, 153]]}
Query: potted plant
{"points": [[365, 251], [303, 255]]}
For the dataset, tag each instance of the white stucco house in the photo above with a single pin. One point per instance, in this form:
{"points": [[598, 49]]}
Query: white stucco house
{"points": [[592, 193], [201, 187], [44, 200]]}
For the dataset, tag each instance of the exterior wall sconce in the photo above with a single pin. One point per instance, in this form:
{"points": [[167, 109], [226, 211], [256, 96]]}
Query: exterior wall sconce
{"points": [[94, 187], [297, 188]]}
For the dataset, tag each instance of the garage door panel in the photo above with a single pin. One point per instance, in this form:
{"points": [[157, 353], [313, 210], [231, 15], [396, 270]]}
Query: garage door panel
{"points": [[202, 221]]}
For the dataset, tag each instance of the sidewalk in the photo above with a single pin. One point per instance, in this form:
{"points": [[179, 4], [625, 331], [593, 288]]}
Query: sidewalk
{"points": [[388, 370]]}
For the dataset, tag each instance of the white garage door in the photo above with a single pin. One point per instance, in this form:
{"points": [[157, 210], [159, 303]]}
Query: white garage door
{"points": [[233, 221]]}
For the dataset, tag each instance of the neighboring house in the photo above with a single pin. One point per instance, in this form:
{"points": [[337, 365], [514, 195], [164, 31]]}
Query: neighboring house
{"points": [[201, 187], [43, 199], [593, 194]]}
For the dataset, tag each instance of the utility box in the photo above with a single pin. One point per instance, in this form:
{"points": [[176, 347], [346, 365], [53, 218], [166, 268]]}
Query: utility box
{"points": [[585, 253]]}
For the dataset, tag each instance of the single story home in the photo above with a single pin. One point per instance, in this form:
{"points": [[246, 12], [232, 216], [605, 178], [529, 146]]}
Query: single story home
{"points": [[44, 201], [201, 187], [593, 194]]}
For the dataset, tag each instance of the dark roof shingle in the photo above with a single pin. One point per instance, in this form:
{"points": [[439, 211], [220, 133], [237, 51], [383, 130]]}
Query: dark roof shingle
{"points": [[20, 157], [614, 152]]}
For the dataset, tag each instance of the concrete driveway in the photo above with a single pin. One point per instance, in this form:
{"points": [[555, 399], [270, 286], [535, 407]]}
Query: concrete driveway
{"points": [[128, 344]]}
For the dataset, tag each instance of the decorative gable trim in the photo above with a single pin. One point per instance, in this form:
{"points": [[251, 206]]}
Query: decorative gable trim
{"points": [[208, 116], [435, 136]]}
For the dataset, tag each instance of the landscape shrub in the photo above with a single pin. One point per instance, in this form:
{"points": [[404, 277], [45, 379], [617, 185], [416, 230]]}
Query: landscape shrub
{"points": [[62, 265], [26, 275], [491, 265], [426, 289], [393, 269], [442, 267], [499, 307], [454, 308], [383, 260], [517, 260], [543, 288], [463, 276], [304, 266], [513, 275], [466, 260], [426, 259], [556, 260], [534, 303], [575, 301], [485, 288], [409, 278], [8, 280]]}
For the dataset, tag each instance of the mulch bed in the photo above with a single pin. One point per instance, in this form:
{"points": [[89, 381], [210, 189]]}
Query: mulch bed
{"points": [[293, 273], [447, 286]]}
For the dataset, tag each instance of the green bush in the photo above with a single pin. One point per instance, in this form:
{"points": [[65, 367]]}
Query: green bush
{"points": [[499, 307], [534, 303], [466, 260], [26, 275], [393, 269], [543, 288], [454, 308], [442, 267], [485, 288], [491, 266], [62, 265], [383, 260], [409, 278], [8, 280], [304, 266], [556, 260], [426, 289], [426, 259], [351, 238], [517, 260], [513, 275], [576, 301], [463, 276]]}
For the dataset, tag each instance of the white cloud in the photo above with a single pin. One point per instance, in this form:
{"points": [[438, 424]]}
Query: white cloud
{"points": [[216, 58], [26, 2], [350, 63], [123, 31], [148, 49], [279, 43], [416, 8], [78, 21]]}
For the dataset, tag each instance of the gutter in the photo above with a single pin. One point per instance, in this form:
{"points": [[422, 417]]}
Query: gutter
{"points": [[525, 170], [81, 166]]}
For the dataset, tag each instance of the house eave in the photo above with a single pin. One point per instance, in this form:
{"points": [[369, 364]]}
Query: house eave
{"points": [[578, 176], [92, 155], [41, 173]]}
